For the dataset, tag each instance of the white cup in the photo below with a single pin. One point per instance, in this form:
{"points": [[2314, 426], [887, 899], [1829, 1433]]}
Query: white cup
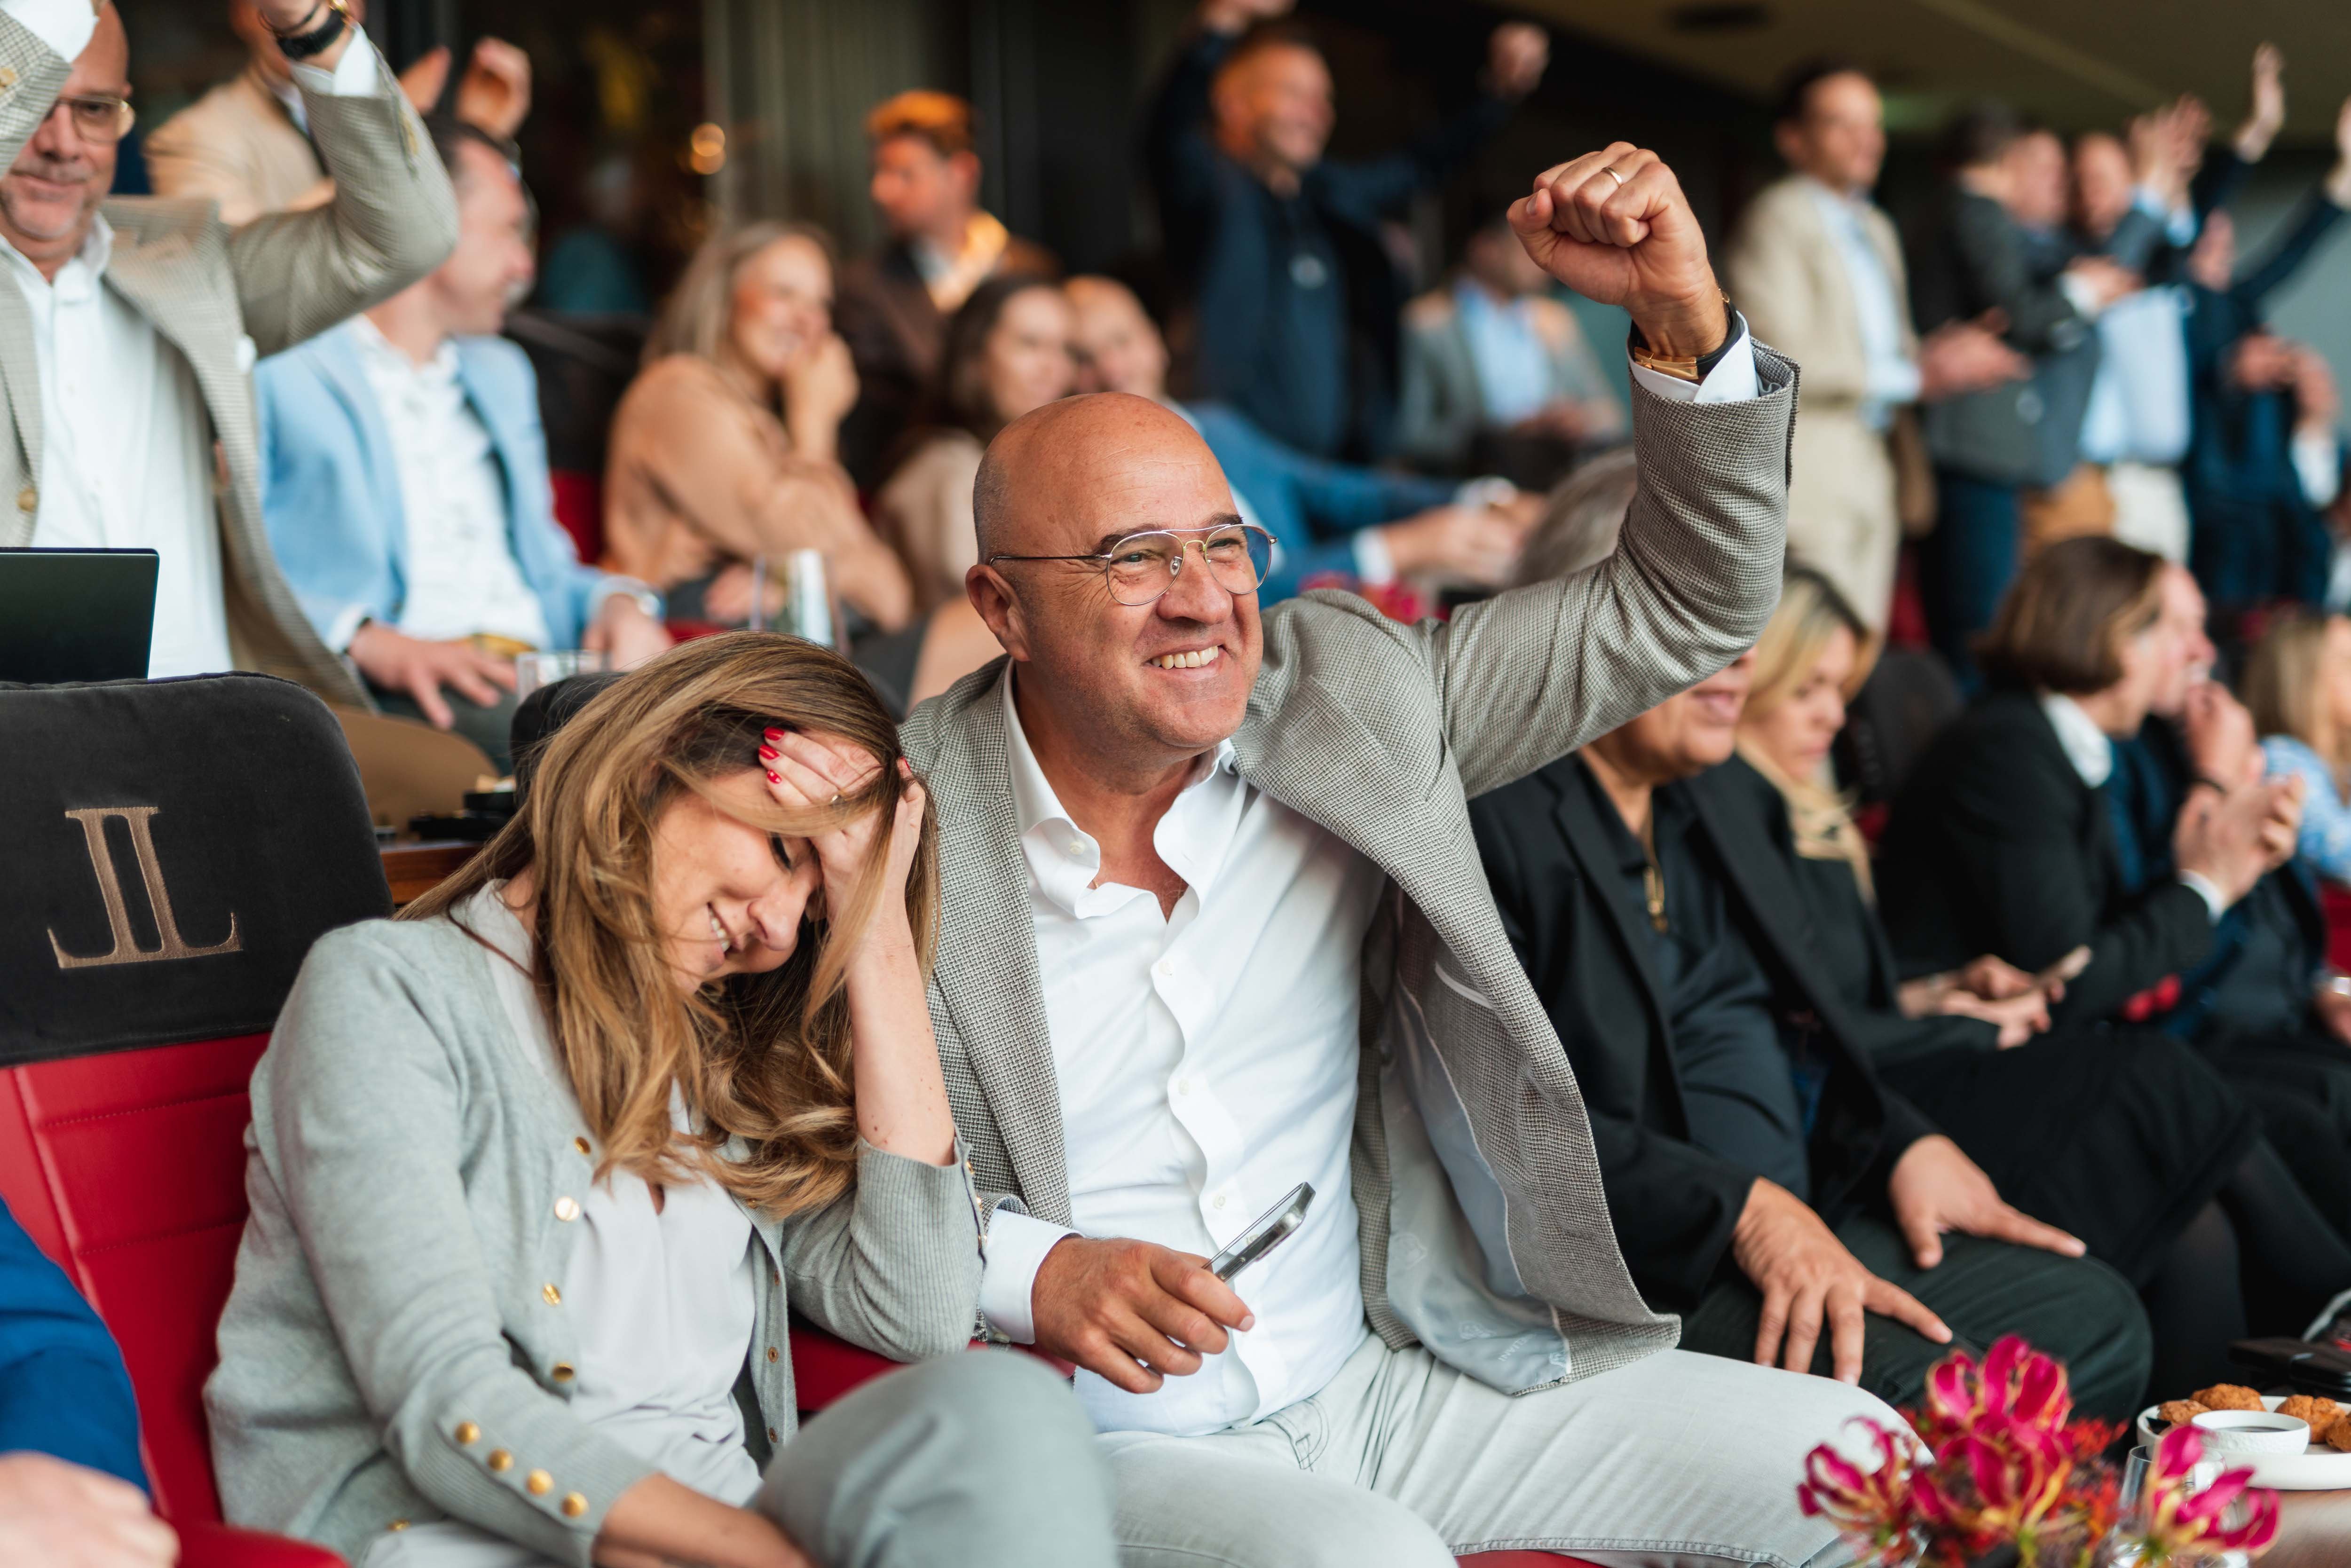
{"points": [[2252, 1432]]}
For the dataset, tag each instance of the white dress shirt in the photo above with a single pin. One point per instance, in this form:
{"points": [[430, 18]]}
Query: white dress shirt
{"points": [[663, 1303], [1890, 376], [126, 441], [1207, 1065], [2092, 753], [458, 568]]}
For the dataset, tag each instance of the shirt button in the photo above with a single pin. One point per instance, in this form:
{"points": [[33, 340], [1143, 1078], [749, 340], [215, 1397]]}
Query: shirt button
{"points": [[1167, 966], [580, 1143], [397, 1525], [551, 1295], [500, 1460], [539, 1483], [467, 1433], [1183, 1086], [28, 499], [567, 1209], [772, 1435], [1217, 1201], [574, 1505], [7, 77], [561, 1372]]}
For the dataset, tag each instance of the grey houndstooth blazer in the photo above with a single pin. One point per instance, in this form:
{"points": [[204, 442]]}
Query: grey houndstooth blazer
{"points": [[1485, 1232], [225, 297]]}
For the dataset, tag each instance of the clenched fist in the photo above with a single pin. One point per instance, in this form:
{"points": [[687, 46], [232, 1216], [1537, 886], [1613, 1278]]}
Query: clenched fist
{"points": [[1615, 227]]}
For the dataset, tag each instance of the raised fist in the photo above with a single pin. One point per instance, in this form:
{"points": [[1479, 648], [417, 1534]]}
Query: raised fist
{"points": [[1615, 227]]}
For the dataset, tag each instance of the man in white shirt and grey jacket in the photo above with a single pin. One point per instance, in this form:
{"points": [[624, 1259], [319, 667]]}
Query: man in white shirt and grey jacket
{"points": [[1214, 924]]}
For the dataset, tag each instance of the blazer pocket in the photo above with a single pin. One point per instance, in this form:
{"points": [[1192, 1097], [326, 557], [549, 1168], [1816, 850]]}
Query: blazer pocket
{"points": [[1460, 987]]}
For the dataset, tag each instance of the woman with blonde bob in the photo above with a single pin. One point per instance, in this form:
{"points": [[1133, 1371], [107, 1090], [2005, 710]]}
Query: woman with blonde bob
{"points": [[2298, 685], [538, 1169], [2124, 1137]]}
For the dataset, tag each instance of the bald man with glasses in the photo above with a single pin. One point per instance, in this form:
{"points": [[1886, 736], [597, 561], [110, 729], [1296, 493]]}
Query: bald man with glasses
{"points": [[1214, 925], [129, 326]]}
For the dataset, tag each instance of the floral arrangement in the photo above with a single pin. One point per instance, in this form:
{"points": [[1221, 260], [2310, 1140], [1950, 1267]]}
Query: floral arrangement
{"points": [[2000, 1465]]}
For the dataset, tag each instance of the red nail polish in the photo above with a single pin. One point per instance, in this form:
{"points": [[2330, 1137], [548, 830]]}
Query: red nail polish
{"points": [[772, 736], [775, 779], [768, 754]]}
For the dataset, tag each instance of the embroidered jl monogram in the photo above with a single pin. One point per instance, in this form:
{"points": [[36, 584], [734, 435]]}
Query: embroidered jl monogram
{"points": [[126, 948]]}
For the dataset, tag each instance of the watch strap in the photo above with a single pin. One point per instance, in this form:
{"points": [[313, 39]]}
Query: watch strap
{"points": [[1687, 369]]}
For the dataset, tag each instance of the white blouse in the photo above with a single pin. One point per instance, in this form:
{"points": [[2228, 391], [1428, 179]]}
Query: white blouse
{"points": [[663, 1301]]}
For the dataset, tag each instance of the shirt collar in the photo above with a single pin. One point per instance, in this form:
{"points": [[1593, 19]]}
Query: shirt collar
{"points": [[86, 265], [387, 355], [2085, 746], [1065, 857]]}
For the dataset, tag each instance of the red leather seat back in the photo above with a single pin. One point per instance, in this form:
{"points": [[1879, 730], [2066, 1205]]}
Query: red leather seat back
{"points": [[129, 1170], [579, 507]]}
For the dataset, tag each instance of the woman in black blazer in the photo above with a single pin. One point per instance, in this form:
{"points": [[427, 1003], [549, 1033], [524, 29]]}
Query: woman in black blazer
{"points": [[2122, 1136]]}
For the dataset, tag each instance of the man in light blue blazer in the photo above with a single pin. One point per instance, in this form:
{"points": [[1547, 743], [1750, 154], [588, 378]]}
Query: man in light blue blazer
{"points": [[406, 488]]}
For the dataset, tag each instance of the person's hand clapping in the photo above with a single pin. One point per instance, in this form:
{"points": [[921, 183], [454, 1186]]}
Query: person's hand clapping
{"points": [[1516, 57], [2234, 841], [60, 1515], [2104, 280], [494, 94], [2267, 115], [1130, 1313], [1966, 357], [2218, 732], [1615, 227]]}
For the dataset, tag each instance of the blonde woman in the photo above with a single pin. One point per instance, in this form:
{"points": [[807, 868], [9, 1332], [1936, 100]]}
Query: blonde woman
{"points": [[2298, 685], [2124, 1137], [538, 1169], [1812, 659], [726, 448]]}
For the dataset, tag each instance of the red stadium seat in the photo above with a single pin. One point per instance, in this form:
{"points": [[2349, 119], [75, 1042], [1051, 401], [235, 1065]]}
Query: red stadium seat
{"points": [[173, 850], [2335, 899], [579, 507]]}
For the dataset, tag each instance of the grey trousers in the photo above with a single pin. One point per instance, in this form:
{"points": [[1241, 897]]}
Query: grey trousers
{"points": [[980, 1460], [1401, 1462]]}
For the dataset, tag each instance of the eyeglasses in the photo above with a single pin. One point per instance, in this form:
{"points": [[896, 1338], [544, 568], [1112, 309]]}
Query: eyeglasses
{"points": [[100, 117], [1142, 567]]}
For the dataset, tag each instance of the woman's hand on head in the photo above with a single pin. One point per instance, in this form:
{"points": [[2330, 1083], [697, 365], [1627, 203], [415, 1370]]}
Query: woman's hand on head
{"points": [[808, 772]]}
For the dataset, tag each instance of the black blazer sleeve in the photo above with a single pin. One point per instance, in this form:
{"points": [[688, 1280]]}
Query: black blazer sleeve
{"points": [[1673, 1205]]}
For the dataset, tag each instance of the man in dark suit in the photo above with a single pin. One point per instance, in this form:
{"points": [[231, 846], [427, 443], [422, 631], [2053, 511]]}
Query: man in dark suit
{"points": [[1293, 301], [893, 305], [1760, 1179], [1994, 252]]}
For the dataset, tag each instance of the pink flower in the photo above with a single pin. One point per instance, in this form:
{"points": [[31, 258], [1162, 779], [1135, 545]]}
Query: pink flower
{"points": [[2015, 1385], [1871, 1508], [2178, 1523]]}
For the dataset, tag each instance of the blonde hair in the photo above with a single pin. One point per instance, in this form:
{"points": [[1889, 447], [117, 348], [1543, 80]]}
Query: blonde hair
{"points": [[696, 318], [1810, 613], [763, 1058], [2285, 684]]}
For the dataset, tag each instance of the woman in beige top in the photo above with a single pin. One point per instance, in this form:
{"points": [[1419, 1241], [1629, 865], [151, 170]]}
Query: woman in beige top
{"points": [[1008, 351], [724, 450]]}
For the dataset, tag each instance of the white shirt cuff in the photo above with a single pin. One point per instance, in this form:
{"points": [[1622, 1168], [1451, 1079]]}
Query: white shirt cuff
{"points": [[346, 627], [359, 74], [1732, 379], [2318, 463], [1374, 564], [2207, 890], [1016, 1249], [65, 26], [2079, 294]]}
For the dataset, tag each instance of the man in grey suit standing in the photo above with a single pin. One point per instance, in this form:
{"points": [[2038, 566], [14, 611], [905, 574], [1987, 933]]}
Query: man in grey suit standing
{"points": [[1215, 924], [129, 327]]}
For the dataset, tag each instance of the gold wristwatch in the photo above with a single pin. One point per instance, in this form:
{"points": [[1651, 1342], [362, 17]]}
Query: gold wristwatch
{"points": [[1684, 367]]}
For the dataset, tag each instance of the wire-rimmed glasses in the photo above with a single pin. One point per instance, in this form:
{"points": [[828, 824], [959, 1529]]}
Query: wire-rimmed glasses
{"points": [[1142, 567], [100, 117]]}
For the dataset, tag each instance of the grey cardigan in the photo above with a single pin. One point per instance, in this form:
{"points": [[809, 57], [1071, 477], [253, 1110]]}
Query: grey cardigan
{"points": [[391, 1353]]}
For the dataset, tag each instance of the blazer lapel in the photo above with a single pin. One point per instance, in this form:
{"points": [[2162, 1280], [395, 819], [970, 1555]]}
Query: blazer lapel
{"points": [[1595, 857], [21, 376], [336, 361], [987, 980]]}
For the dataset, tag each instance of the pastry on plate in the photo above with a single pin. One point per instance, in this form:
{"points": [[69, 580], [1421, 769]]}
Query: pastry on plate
{"points": [[2179, 1412], [2319, 1412], [2228, 1397]]}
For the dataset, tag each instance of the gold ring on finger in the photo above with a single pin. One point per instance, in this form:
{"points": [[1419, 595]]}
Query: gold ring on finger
{"points": [[1615, 176], [836, 799]]}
